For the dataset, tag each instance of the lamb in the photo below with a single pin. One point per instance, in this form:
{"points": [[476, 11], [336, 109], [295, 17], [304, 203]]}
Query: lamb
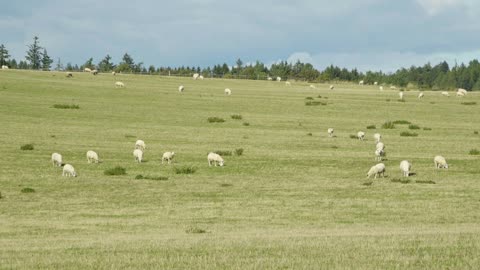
{"points": [[445, 93], [138, 155], [69, 74], [181, 88], [377, 170], [119, 84], [379, 154], [361, 135], [279, 79], [57, 159], [332, 87], [287, 83], [216, 159], [168, 156], [228, 92], [377, 137], [195, 76], [361, 82], [400, 94], [330, 132], [4, 67], [68, 170], [139, 144], [440, 162], [381, 88], [405, 167], [87, 70], [92, 157], [420, 95]]}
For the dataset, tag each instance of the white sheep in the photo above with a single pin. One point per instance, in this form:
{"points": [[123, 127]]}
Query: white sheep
{"points": [[440, 162], [168, 156], [119, 84], [461, 90], [215, 158], [138, 155], [445, 93], [69, 74], [200, 77], [287, 83], [181, 88], [393, 87], [57, 159], [377, 170], [361, 82], [375, 83], [269, 78], [279, 79], [195, 76], [94, 72], [379, 154], [405, 168], [420, 95], [381, 88], [460, 94], [68, 170], [4, 67], [330, 132], [228, 92], [87, 70], [380, 146], [312, 86], [332, 87], [361, 135], [400, 95], [92, 157], [139, 144], [377, 137], [114, 73]]}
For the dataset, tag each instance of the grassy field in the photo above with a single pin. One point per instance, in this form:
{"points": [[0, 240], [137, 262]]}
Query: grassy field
{"points": [[295, 198]]}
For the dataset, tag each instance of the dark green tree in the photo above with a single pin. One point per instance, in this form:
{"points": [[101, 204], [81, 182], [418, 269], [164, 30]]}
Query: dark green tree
{"points": [[34, 54], [46, 60], [3, 55], [89, 64], [106, 65]]}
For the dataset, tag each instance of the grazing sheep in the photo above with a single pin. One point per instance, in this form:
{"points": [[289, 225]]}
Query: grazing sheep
{"points": [[405, 167], [68, 170], [181, 88], [119, 84], [377, 170], [139, 144], [361, 135], [461, 90], [69, 74], [400, 94], [361, 82], [195, 76], [57, 159], [87, 70], [460, 94], [379, 154], [269, 78], [94, 72], [420, 95], [168, 156], [279, 79], [4, 67], [375, 83], [332, 87], [393, 87], [215, 158], [228, 92], [200, 77], [381, 88], [114, 73], [445, 93], [138, 155], [287, 83], [380, 146], [312, 86], [377, 137], [330, 132], [92, 157], [440, 162]]}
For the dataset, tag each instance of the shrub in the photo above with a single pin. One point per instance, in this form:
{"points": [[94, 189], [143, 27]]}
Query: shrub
{"points": [[401, 100], [408, 134], [236, 116], [246, 124], [319, 96], [425, 182], [427, 128], [27, 147], [352, 136], [156, 178], [368, 183], [195, 230], [215, 120], [128, 136], [27, 190], [185, 170], [309, 98], [115, 171], [412, 126], [474, 152], [403, 181], [309, 134], [388, 125], [469, 103], [371, 127], [475, 132], [315, 103], [387, 100], [66, 106], [401, 122], [239, 151], [223, 152], [139, 176], [226, 185]]}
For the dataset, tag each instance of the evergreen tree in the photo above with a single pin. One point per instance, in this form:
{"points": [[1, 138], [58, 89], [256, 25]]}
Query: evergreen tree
{"points": [[89, 64], [34, 54], [3, 55], [105, 65], [59, 65], [46, 60]]}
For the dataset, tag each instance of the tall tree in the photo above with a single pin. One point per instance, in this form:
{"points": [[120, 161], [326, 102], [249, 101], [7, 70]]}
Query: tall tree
{"points": [[105, 65], [89, 64], [46, 60], [34, 54], [59, 65], [3, 55]]}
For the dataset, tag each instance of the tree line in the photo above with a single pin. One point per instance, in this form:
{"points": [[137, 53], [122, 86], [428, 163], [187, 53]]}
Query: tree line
{"points": [[438, 77]]}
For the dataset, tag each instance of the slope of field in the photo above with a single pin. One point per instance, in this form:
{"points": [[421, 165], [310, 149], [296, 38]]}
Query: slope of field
{"points": [[293, 200]]}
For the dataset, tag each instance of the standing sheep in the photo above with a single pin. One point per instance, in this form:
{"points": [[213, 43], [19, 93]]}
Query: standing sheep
{"points": [[216, 159], [440, 162], [168, 156], [379, 154], [94, 72], [92, 157], [269, 78], [332, 87], [119, 84], [287, 83], [405, 168], [195, 76], [200, 77], [330, 132], [279, 79], [460, 94], [138, 155], [69, 74], [380, 146], [114, 73], [461, 90], [312, 86], [400, 95], [68, 170], [57, 159], [375, 83], [361, 82], [445, 93], [381, 88], [420, 95], [377, 137], [377, 170], [393, 87], [139, 144], [181, 88], [228, 92], [4, 67], [361, 135], [87, 70]]}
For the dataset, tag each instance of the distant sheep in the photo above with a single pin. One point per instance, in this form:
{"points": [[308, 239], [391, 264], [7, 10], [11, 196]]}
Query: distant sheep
{"points": [[168, 156], [332, 87], [377, 170], [400, 95], [420, 95], [375, 83], [228, 92], [445, 93], [68, 170], [377, 137], [440, 162], [215, 158], [312, 86], [279, 79], [287, 83], [330, 132], [361, 82], [461, 90], [269, 78], [200, 77], [114, 73], [460, 94], [393, 87], [405, 168], [139, 144], [195, 76], [87, 70], [181, 88], [379, 154], [381, 88], [4, 67], [92, 157], [361, 135], [94, 72], [57, 159], [69, 74], [380, 146], [138, 155], [119, 84]]}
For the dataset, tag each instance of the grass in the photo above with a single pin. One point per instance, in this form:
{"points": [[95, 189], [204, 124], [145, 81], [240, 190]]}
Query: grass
{"points": [[223, 152], [27, 147], [195, 230], [401, 181], [246, 124], [388, 125], [474, 152], [185, 170], [427, 128], [469, 103], [412, 126], [290, 201], [215, 120], [315, 103], [425, 182], [236, 116], [408, 134], [401, 122], [238, 151], [66, 106], [155, 178], [118, 170], [371, 127], [27, 190]]}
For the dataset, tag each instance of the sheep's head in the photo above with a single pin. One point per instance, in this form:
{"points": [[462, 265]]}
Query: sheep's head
{"points": [[445, 166], [221, 163]]}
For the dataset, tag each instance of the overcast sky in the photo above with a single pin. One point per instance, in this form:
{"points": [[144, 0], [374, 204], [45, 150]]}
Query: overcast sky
{"points": [[367, 34]]}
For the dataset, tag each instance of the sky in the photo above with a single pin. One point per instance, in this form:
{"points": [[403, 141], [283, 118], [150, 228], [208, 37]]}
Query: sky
{"points": [[365, 34]]}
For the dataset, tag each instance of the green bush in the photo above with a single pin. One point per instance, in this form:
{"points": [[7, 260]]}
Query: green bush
{"points": [[27, 190], [412, 126], [239, 151], [115, 171], [408, 134], [246, 124], [474, 152], [185, 170], [66, 106], [27, 147], [401, 122], [469, 103], [236, 116], [371, 127], [215, 120], [388, 125]]}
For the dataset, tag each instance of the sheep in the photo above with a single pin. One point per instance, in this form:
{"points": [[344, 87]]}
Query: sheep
{"points": [[269, 78], [68, 170], [420, 95], [379, 154], [380, 146], [330, 132], [332, 87], [287, 83], [377, 137], [216, 159], [139, 144], [228, 92], [4, 67], [393, 87], [168, 156], [279, 79], [445, 93], [405, 167], [400, 95], [181, 88], [461, 90], [92, 157], [440, 162], [195, 76], [361, 135], [312, 86], [87, 70], [381, 88], [361, 82], [138, 155], [377, 170], [114, 73], [69, 74], [94, 72], [57, 159], [200, 77], [375, 83], [460, 94], [119, 84]]}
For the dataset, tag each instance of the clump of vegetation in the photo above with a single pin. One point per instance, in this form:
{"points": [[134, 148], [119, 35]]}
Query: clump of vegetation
{"points": [[315, 103], [215, 120], [246, 124], [115, 171], [475, 132], [352, 136], [128, 136], [401, 100], [408, 134], [223, 152], [27, 147], [309, 98], [334, 147], [195, 230], [156, 178], [309, 134], [427, 128], [139, 176], [319, 96], [425, 182], [236, 116], [66, 106], [53, 136], [432, 102], [185, 170], [412, 126], [1, 195], [401, 122], [369, 183], [469, 103], [387, 100], [371, 127], [325, 97], [474, 152], [388, 125], [226, 185], [239, 151], [402, 181], [27, 190]]}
